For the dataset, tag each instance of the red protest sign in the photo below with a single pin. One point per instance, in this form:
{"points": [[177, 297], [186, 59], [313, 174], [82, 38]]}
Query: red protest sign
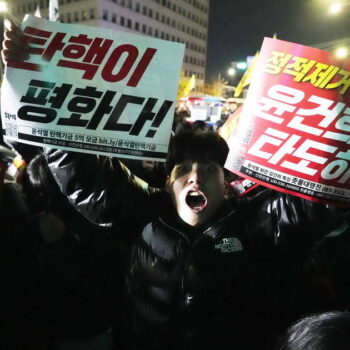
{"points": [[294, 132]]}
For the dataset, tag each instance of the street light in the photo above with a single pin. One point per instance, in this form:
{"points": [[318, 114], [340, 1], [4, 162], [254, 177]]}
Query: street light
{"points": [[231, 72], [241, 65], [335, 8], [3, 6], [341, 52], [236, 66]]}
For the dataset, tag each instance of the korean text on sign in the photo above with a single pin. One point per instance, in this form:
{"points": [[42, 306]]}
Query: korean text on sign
{"points": [[295, 130], [117, 88]]}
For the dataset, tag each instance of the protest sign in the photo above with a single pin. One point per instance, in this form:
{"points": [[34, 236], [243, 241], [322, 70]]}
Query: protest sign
{"points": [[92, 90], [294, 131]]}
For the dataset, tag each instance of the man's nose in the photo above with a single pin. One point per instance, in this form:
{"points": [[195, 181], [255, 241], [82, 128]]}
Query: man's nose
{"points": [[196, 176]]}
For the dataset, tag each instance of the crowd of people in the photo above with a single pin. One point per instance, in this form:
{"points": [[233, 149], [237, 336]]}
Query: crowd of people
{"points": [[100, 255]]}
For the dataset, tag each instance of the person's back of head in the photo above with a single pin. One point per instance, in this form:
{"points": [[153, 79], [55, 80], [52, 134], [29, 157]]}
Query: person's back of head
{"points": [[200, 125], [325, 331]]}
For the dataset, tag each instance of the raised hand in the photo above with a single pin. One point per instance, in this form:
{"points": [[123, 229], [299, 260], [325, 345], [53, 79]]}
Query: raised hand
{"points": [[14, 48]]}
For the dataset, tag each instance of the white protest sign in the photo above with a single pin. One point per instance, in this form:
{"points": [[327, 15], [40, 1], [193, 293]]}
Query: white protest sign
{"points": [[92, 90]]}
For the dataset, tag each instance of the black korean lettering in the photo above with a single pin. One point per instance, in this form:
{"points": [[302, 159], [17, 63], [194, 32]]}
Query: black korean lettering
{"points": [[112, 123], [146, 114], [61, 94], [103, 108], [159, 117], [79, 105], [37, 92], [37, 114], [73, 120]]}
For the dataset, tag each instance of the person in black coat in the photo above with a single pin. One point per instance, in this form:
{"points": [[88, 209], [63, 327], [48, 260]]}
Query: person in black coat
{"points": [[202, 266], [203, 269], [77, 269]]}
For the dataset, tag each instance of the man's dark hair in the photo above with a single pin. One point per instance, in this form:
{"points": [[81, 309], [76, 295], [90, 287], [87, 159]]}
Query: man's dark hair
{"points": [[326, 331], [199, 146]]}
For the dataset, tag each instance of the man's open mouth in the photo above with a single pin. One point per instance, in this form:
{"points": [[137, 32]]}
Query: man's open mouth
{"points": [[196, 200]]}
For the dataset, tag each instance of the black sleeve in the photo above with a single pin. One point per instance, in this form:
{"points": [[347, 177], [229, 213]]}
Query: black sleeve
{"points": [[291, 221], [283, 229], [103, 190]]}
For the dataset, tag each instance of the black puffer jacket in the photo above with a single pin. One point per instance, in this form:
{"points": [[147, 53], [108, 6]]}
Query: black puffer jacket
{"points": [[232, 282]]}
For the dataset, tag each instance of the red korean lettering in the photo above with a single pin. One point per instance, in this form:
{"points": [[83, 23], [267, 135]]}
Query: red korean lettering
{"points": [[77, 49], [92, 52], [141, 67], [24, 65], [90, 69], [107, 72], [37, 32], [35, 36], [132, 54], [98, 50], [56, 44]]}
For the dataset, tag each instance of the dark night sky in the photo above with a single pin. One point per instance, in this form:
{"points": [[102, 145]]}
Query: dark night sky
{"points": [[237, 27]]}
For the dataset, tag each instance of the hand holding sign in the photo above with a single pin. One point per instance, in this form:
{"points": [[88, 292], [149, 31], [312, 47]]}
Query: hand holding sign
{"points": [[13, 46], [90, 89]]}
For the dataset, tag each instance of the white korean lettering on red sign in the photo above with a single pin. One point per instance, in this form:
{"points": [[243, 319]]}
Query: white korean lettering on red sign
{"points": [[294, 131]]}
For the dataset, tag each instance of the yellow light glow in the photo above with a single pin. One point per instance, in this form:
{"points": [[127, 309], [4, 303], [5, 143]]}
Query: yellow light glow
{"points": [[341, 52], [3, 6], [335, 8], [231, 72]]}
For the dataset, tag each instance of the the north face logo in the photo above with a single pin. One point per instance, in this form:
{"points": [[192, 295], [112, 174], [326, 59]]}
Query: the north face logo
{"points": [[229, 245]]}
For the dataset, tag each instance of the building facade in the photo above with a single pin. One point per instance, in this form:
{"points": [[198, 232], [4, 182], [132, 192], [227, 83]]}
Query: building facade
{"points": [[184, 21]]}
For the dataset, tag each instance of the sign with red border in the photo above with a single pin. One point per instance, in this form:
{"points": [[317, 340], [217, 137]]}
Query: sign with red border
{"points": [[294, 131]]}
